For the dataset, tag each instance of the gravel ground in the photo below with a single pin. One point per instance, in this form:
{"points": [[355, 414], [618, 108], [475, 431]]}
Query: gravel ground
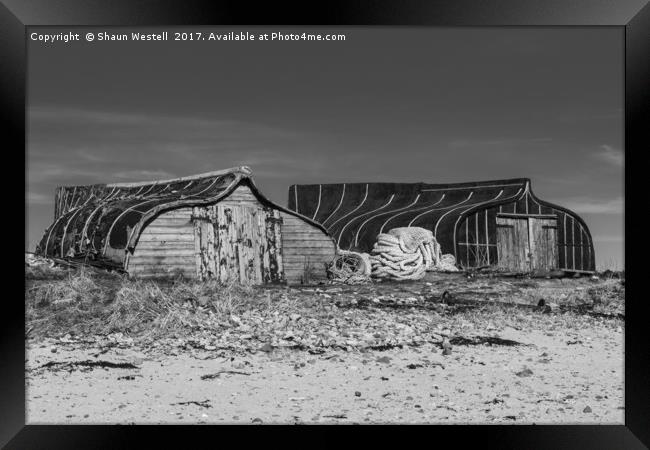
{"points": [[561, 367]]}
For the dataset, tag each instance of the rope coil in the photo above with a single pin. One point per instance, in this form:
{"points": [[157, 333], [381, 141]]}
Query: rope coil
{"points": [[407, 253]]}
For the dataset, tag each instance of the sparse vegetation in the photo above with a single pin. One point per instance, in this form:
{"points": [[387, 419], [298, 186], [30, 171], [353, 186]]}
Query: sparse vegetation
{"points": [[611, 267], [308, 272], [86, 302]]}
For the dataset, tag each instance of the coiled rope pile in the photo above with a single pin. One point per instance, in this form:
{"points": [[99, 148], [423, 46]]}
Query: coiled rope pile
{"points": [[406, 253]]}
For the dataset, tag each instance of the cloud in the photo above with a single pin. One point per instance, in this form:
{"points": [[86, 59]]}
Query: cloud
{"points": [[608, 238], [81, 146], [92, 156], [48, 172], [590, 116], [500, 142], [121, 125], [143, 175], [611, 155], [64, 114], [591, 206], [36, 198], [90, 134]]}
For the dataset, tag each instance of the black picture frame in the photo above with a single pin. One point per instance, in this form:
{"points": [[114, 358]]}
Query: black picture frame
{"points": [[632, 15]]}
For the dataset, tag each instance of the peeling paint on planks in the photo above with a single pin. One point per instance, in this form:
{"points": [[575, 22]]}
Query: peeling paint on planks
{"points": [[244, 246]]}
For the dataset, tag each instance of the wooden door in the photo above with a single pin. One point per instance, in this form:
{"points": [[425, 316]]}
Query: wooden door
{"points": [[238, 243], [512, 244], [543, 243], [526, 243]]}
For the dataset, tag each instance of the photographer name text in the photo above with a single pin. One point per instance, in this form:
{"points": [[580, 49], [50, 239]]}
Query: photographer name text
{"points": [[182, 36]]}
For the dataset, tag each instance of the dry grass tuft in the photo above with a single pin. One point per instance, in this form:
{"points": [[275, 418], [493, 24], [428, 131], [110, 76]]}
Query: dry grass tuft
{"points": [[86, 301], [74, 302]]}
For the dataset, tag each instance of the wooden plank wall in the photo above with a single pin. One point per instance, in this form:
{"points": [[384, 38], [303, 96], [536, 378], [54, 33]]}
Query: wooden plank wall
{"points": [[304, 245], [204, 241], [543, 243], [512, 244], [575, 249], [247, 249], [248, 244], [527, 243], [166, 247]]}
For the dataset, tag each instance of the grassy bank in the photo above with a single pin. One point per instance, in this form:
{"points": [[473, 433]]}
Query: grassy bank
{"points": [[84, 302]]}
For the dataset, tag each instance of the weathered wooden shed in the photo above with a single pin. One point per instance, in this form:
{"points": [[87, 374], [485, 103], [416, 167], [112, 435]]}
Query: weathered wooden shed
{"points": [[498, 223], [216, 224]]}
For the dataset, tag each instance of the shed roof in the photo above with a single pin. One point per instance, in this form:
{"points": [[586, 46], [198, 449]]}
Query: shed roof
{"points": [[355, 213], [104, 220]]}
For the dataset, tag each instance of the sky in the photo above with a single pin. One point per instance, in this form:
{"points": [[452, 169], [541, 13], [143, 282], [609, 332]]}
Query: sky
{"points": [[392, 104]]}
